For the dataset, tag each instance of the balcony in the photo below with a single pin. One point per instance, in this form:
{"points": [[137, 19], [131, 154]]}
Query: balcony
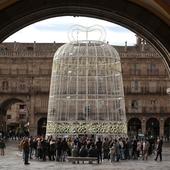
{"points": [[145, 91], [149, 110]]}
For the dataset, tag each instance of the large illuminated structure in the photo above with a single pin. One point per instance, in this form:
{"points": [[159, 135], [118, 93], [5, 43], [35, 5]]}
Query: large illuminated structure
{"points": [[86, 93]]}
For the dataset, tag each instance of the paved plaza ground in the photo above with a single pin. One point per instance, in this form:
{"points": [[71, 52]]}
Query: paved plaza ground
{"points": [[13, 161]]}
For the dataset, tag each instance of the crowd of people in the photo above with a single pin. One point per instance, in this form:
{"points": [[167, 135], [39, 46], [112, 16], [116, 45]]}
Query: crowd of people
{"points": [[111, 149], [14, 134]]}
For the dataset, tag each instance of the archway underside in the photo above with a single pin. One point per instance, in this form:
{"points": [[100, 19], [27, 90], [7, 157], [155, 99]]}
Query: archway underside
{"points": [[122, 12]]}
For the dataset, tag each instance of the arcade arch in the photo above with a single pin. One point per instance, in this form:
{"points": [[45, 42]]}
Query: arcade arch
{"points": [[41, 126], [152, 127], [134, 127], [125, 13], [138, 17], [14, 117], [167, 129]]}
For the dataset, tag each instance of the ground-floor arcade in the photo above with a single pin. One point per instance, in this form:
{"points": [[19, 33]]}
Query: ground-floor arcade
{"points": [[151, 126]]}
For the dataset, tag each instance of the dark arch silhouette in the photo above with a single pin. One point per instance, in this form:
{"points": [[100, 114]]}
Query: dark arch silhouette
{"points": [[41, 126], [134, 127], [123, 12], [152, 127], [6, 128], [5, 104], [167, 128]]}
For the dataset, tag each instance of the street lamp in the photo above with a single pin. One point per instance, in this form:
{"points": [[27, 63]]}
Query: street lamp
{"points": [[168, 90], [168, 133], [27, 120]]}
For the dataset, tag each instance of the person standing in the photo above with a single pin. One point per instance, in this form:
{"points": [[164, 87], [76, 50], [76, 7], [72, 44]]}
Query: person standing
{"points": [[159, 149], [59, 150], [99, 150], [117, 150], [64, 146], [145, 149], [106, 148], [2, 147], [112, 153], [26, 151]]}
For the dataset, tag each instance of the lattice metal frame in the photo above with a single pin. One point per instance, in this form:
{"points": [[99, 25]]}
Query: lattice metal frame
{"points": [[86, 90]]}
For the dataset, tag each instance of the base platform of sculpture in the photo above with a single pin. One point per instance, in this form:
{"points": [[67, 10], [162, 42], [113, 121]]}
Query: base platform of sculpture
{"points": [[70, 128]]}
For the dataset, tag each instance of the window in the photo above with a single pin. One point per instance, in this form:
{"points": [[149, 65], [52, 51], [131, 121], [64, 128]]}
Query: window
{"points": [[153, 104], [22, 86], [22, 106], [134, 104], [152, 87], [21, 116], [135, 86], [135, 69], [4, 85], [152, 69], [8, 116]]}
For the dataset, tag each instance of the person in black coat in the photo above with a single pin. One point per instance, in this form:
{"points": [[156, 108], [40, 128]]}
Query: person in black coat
{"points": [[92, 152], [99, 149], [26, 151], [2, 147], [83, 151], [65, 148], [159, 149], [45, 146], [58, 149], [52, 150]]}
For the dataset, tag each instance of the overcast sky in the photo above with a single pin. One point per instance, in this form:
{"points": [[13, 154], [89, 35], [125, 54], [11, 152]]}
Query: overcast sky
{"points": [[56, 29]]}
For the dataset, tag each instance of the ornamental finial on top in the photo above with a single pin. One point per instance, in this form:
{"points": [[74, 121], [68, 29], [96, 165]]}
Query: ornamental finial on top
{"points": [[76, 30]]}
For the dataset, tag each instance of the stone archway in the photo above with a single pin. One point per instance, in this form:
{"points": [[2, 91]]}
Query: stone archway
{"points": [[13, 121], [41, 126], [134, 127], [5, 104], [131, 15], [152, 127], [167, 129]]}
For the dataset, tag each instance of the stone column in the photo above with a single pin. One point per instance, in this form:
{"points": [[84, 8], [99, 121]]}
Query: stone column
{"points": [[143, 125], [161, 127], [32, 127]]}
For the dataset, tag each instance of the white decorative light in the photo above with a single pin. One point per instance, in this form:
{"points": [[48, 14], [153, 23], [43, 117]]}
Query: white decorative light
{"points": [[86, 87], [168, 91]]}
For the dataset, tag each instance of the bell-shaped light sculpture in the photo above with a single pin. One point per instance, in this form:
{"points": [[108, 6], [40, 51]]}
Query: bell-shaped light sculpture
{"points": [[86, 92]]}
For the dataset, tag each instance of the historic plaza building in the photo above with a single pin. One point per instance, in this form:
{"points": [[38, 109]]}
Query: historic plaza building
{"points": [[25, 74]]}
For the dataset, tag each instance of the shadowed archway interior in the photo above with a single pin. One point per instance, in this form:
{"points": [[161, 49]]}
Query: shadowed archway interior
{"points": [[152, 127]]}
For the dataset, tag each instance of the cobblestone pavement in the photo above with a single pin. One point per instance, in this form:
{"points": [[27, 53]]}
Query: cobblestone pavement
{"points": [[13, 161]]}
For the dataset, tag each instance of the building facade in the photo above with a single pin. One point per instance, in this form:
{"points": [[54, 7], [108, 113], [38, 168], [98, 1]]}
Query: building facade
{"points": [[25, 73]]}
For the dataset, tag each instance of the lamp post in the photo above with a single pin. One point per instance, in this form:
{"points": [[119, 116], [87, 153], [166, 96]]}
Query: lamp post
{"points": [[27, 114], [168, 90], [168, 131]]}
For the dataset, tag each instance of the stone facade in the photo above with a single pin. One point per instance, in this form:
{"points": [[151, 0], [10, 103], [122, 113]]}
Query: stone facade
{"points": [[25, 72]]}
